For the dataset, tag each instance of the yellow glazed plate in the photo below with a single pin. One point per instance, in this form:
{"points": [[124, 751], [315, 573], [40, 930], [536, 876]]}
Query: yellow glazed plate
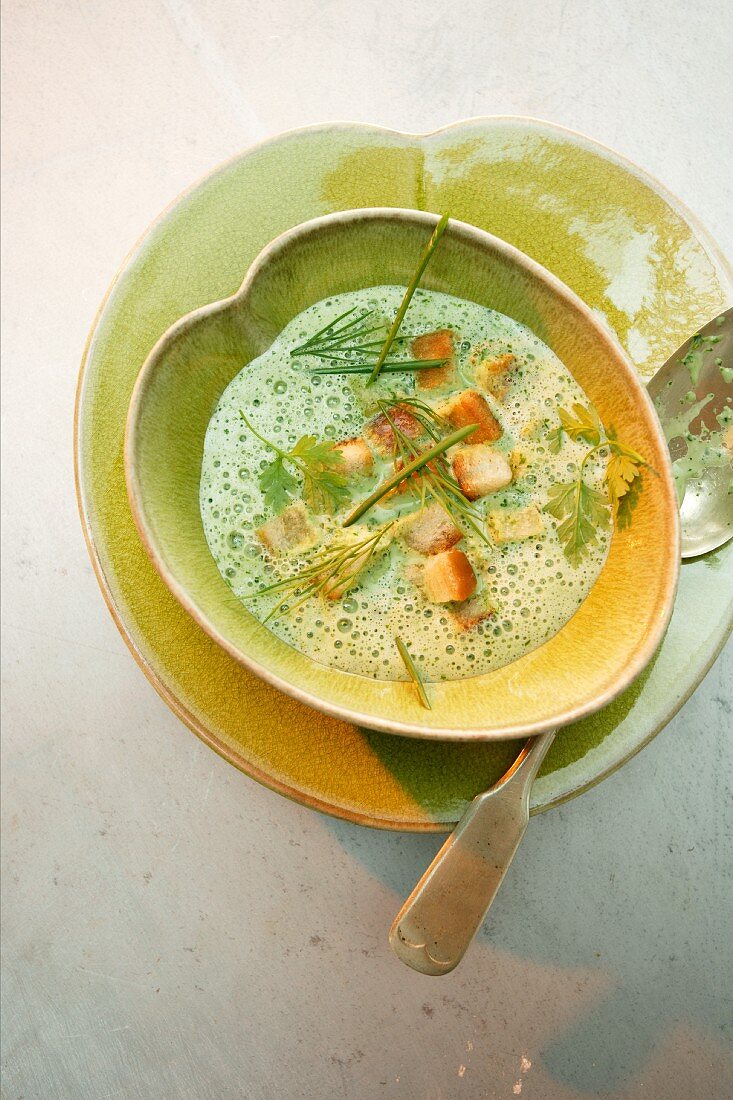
{"points": [[611, 636], [605, 229]]}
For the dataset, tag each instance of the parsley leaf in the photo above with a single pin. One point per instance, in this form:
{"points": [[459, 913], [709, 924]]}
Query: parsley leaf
{"points": [[623, 480], [324, 489], [278, 484], [581, 423], [554, 439], [582, 511], [621, 472]]}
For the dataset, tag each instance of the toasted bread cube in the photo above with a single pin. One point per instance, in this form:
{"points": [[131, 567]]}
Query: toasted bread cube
{"points": [[518, 463], [492, 375], [289, 531], [448, 577], [473, 611], [470, 407], [379, 430], [414, 573], [532, 428], [433, 345], [524, 523], [479, 470], [357, 458], [431, 531]]}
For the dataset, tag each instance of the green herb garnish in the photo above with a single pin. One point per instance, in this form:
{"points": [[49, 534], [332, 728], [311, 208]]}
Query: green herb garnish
{"points": [[331, 571], [413, 673], [347, 335], [554, 440], [417, 463], [324, 488], [411, 288], [583, 511], [343, 336], [581, 423], [436, 480], [391, 366]]}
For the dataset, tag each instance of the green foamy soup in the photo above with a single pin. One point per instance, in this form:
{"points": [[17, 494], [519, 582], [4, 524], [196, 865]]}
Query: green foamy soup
{"points": [[526, 588]]}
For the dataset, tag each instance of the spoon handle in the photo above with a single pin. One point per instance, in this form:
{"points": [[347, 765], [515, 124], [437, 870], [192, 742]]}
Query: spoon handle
{"points": [[436, 924]]}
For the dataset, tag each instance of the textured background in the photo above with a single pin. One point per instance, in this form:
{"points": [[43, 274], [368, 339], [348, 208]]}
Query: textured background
{"points": [[171, 929]]}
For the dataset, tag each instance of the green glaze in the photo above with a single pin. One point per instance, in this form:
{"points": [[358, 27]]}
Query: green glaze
{"points": [[614, 630], [197, 253], [628, 251]]}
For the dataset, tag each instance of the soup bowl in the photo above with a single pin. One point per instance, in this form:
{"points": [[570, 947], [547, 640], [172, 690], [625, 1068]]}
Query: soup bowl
{"points": [[615, 631]]}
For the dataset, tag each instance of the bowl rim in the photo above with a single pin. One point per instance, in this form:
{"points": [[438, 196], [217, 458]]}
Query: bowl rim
{"points": [[657, 625]]}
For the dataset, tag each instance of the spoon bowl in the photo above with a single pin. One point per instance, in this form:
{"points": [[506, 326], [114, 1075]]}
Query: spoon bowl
{"points": [[693, 396]]}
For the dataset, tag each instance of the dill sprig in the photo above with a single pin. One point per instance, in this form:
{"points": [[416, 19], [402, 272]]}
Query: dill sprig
{"points": [[413, 672], [325, 488], [432, 423], [344, 341], [391, 366], [411, 288], [331, 569], [336, 335], [419, 462], [346, 335], [436, 480]]}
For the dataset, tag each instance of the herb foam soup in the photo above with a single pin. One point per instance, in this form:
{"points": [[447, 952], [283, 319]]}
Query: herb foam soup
{"points": [[526, 589]]}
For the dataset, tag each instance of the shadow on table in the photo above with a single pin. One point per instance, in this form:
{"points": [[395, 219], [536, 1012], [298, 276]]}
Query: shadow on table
{"points": [[643, 924], [444, 776]]}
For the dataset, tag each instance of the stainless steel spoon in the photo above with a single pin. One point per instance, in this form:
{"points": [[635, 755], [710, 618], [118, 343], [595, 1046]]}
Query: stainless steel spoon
{"points": [[693, 396]]}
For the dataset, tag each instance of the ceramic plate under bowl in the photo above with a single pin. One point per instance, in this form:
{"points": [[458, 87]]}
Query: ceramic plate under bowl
{"points": [[607, 230], [619, 625]]}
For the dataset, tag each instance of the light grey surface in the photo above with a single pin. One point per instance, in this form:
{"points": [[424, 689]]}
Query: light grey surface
{"points": [[171, 929]]}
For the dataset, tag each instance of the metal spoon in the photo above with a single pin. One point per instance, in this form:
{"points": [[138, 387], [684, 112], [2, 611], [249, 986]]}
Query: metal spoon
{"points": [[691, 394]]}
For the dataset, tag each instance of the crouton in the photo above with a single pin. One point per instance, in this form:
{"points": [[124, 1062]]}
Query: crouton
{"points": [[532, 428], [470, 407], [479, 470], [431, 531], [492, 374], [448, 577], [523, 523], [357, 458], [433, 345], [473, 611], [379, 430], [289, 531], [518, 463], [414, 573]]}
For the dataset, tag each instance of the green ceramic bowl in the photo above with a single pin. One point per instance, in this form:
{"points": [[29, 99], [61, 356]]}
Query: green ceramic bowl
{"points": [[615, 631]]}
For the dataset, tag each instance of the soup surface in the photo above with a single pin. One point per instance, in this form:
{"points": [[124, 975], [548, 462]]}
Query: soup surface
{"points": [[470, 587]]}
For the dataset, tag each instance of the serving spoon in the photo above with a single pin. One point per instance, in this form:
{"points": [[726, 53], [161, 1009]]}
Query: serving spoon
{"points": [[693, 396]]}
